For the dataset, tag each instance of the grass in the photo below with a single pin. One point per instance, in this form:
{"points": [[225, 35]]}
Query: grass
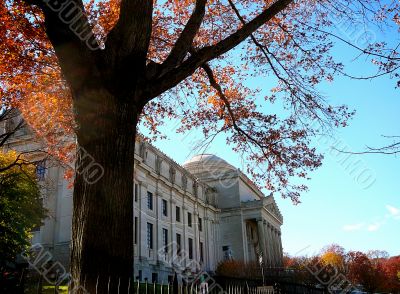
{"points": [[50, 289], [46, 289]]}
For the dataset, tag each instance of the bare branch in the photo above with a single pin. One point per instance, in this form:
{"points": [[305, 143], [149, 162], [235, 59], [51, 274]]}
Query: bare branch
{"points": [[390, 149], [217, 87], [18, 161], [387, 57], [6, 116]]}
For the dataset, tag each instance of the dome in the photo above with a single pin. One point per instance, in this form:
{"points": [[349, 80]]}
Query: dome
{"points": [[207, 162]]}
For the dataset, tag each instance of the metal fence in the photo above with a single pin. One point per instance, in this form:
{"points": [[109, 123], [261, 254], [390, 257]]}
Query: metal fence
{"points": [[35, 284]]}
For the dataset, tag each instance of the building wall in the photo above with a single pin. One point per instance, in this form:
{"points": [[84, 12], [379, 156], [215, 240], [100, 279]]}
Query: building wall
{"points": [[225, 200]]}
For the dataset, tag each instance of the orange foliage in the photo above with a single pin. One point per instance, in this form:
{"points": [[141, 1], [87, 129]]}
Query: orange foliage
{"points": [[277, 148]]}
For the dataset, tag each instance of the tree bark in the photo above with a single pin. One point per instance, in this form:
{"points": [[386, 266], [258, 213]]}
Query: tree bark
{"points": [[102, 228]]}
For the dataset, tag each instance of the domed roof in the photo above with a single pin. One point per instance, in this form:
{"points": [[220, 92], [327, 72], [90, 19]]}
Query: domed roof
{"points": [[207, 161]]}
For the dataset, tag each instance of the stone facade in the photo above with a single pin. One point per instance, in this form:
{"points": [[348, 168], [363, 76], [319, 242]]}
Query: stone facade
{"points": [[203, 212]]}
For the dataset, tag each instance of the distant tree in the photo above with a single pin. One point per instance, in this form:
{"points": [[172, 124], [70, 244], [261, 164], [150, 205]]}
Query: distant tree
{"points": [[10, 123], [391, 267], [289, 261], [301, 268], [21, 207], [377, 254], [361, 271], [333, 255], [239, 269]]}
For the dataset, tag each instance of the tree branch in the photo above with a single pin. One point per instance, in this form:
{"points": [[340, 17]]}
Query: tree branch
{"points": [[128, 42], [5, 116], [185, 40], [17, 162], [188, 67], [235, 125], [390, 149], [72, 38]]}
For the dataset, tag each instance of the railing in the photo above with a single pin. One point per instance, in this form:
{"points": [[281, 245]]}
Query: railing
{"points": [[218, 285], [275, 282]]}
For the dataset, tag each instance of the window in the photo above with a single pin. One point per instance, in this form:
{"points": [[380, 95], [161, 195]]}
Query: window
{"points": [[164, 207], [139, 277], [190, 248], [150, 200], [136, 229], [201, 252], [227, 252], [36, 228], [178, 214], [40, 170], [200, 225], [154, 277], [165, 240], [136, 192], [149, 236], [178, 244], [189, 219]]}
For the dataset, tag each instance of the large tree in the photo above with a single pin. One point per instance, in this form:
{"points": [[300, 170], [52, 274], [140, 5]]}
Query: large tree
{"points": [[98, 67], [21, 208]]}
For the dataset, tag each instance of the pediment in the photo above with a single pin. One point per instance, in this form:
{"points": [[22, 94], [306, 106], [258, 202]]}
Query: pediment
{"points": [[272, 207]]}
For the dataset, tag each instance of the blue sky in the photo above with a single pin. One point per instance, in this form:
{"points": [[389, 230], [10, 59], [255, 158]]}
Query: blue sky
{"points": [[360, 209]]}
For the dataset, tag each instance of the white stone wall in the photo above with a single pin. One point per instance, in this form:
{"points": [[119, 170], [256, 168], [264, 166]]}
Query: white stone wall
{"points": [[180, 192], [223, 197]]}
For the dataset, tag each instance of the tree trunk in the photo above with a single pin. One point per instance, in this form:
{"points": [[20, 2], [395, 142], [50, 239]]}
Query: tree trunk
{"points": [[102, 226]]}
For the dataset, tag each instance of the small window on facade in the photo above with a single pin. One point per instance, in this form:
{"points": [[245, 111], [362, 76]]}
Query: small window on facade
{"points": [[190, 248], [227, 252], [150, 200], [165, 240], [149, 236], [40, 170], [189, 219], [201, 252], [164, 207], [178, 244], [136, 192], [154, 277], [139, 277], [200, 224], [136, 229], [178, 214]]}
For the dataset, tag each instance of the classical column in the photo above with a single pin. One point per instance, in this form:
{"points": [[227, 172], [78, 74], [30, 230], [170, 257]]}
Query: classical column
{"points": [[196, 239], [277, 251], [267, 242], [217, 237], [214, 237], [184, 249], [138, 214], [261, 237], [172, 228], [273, 246], [206, 245], [280, 248], [270, 249]]}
